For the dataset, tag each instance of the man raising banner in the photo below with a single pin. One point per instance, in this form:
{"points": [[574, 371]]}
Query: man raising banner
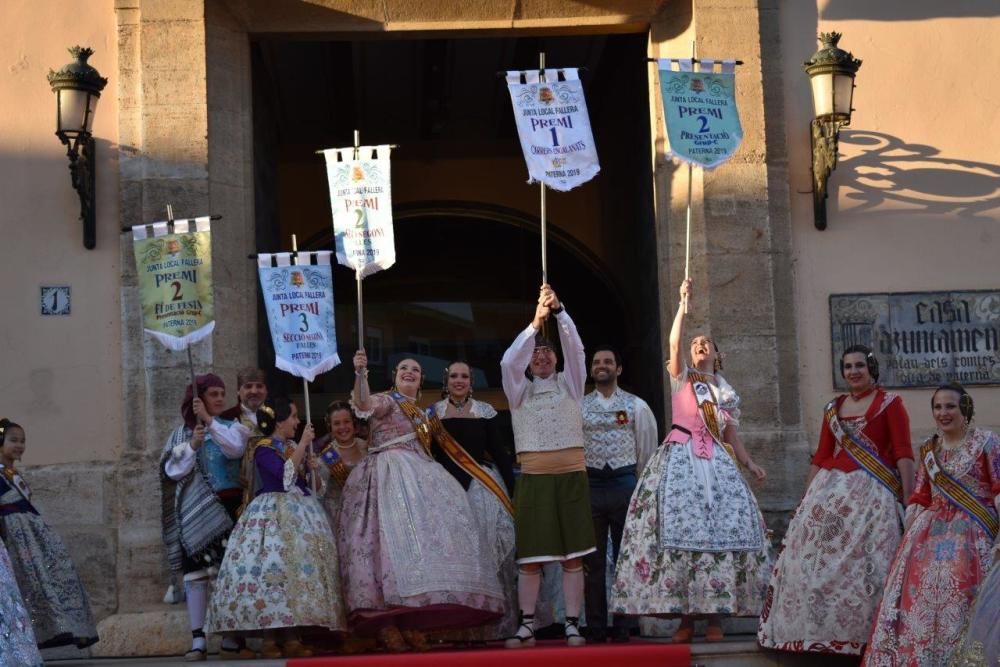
{"points": [[552, 496]]}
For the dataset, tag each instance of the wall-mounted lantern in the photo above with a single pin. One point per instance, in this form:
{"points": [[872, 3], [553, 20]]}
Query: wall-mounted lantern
{"points": [[831, 72], [77, 87]]}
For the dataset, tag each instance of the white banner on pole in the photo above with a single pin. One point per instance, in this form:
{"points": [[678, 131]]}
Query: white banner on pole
{"points": [[298, 299], [361, 201], [554, 127]]}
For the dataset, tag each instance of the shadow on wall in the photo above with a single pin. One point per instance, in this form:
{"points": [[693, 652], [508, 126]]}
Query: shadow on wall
{"points": [[914, 10], [889, 177]]}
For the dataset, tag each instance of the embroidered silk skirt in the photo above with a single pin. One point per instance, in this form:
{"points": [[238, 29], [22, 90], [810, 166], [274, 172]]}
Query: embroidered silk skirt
{"points": [[941, 562], [49, 583], [280, 569], [17, 640], [828, 580], [410, 549], [980, 644], [694, 540], [496, 531]]}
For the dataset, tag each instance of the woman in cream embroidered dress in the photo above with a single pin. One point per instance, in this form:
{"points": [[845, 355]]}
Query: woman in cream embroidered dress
{"points": [[829, 577], [52, 590], [280, 572], [694, 540], [410, 550], [945, 553], [481, 431]]}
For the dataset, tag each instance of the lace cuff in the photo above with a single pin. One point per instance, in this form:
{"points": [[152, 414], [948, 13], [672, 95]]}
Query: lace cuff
{"points": [[289, 475], [358, 412]]}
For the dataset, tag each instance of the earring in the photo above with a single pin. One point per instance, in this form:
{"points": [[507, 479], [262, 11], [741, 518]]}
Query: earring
{"points": [[717, 365]]}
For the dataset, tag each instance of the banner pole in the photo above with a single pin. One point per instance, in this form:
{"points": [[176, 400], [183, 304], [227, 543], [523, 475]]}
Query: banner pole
{"points": [[357, 274], [313, 481], [687, 231], [687, 235], [194, 378], [545, 257]]}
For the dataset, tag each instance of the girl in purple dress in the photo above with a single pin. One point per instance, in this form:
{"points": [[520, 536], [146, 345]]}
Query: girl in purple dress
{"points": [[281, 571]]}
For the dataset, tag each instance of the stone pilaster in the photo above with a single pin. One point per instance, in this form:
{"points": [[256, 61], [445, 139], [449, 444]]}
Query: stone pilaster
{"points": [[741, 244], [186, 134]]}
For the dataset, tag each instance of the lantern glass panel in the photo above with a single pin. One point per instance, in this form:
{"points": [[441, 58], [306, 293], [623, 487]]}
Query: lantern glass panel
{"points": [[822, 94], [72, 110], [842, 92], [92, 104]]}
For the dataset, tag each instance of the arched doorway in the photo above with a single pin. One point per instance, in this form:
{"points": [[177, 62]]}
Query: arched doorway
{"points": [[468, 259]]}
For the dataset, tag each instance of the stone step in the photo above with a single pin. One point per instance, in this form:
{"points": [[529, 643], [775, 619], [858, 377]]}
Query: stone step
{"points": [[743, 651]]}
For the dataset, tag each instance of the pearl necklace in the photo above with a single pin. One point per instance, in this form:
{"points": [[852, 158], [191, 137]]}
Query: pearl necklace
{"points": [[342, 447]]}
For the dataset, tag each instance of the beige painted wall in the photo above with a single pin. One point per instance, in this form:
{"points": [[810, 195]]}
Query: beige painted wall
{"points": [[61, 375], [911, 211]]}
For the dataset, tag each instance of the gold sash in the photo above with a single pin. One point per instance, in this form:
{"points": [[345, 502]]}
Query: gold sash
{"points": [[707, 409], [956, 492], [429, 427], [866, 457]]}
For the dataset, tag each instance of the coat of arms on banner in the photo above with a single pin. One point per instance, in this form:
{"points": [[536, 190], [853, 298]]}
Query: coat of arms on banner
{"points": [[174, 272], [699, 110], [298, 299], [361, 201], [554, 127]]}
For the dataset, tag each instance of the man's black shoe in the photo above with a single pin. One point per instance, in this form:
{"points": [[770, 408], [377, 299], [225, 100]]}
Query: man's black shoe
{"points": [[597, 635], [619, 634]]}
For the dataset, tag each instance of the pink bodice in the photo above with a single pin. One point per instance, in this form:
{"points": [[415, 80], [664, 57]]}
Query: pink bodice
{"points": [[685, 414]]}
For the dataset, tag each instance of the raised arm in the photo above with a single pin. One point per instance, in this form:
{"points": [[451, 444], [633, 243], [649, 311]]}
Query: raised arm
{"points": [[575, 364], [518, 356], [361, 392], [675, 365]]}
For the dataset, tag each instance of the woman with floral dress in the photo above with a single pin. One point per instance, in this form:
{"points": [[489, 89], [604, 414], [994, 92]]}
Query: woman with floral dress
{"points": [[829, 577], [52, 590], [17, 639], [947, 549], [695, 541], [280, 573]]}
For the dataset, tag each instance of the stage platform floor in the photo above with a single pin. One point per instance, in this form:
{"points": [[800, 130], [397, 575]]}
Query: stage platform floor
{"points": [[733, 651]]}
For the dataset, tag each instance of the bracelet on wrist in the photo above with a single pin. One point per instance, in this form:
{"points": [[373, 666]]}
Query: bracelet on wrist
{"points": [[363, 373], [556, 311]]}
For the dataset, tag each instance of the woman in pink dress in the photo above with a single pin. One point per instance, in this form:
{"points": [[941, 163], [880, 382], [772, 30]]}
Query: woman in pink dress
{"points": [[946, 552], [694, 541], [410, 555]]}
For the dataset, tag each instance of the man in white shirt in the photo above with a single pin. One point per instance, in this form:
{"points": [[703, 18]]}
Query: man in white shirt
{"points": [[551, 497], [619, 437]]}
